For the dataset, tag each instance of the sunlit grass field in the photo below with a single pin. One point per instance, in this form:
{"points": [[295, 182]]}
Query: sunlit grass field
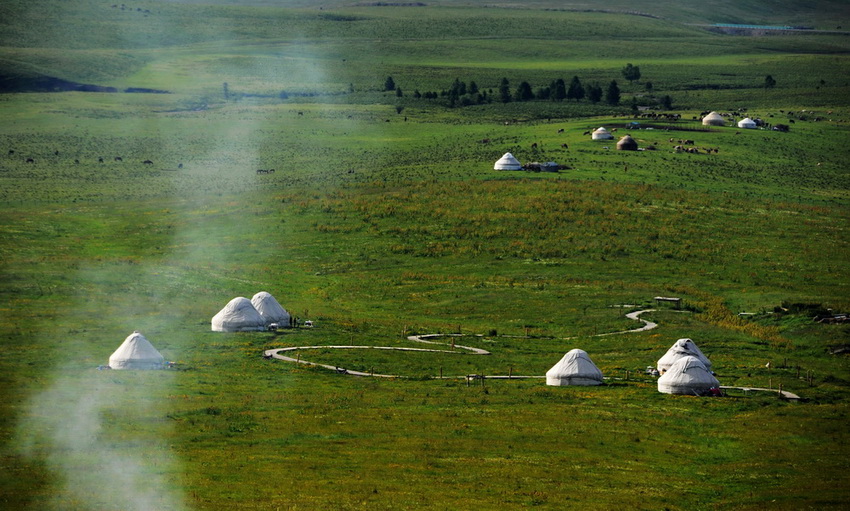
{"points": [[384, 218]]}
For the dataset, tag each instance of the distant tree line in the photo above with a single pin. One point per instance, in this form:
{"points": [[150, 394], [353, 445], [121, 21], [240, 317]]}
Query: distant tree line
{"points": [[461, 93]]}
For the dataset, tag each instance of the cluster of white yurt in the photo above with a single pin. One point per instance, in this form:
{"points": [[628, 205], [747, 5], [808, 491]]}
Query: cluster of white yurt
{"points": [[686, 370], [601, 134], [136, 352], [575, 368], [507, 162], [244, 315]]}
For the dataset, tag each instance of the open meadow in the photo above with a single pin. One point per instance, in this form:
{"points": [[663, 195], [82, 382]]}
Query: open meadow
{"points": [[137, 145]]}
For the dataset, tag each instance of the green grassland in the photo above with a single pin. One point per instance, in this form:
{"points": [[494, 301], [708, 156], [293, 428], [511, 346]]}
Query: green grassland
{"points": [[384, 218]]}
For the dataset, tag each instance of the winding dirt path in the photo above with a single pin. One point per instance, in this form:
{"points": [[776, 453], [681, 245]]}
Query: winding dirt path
{"points": [[276, 353]]}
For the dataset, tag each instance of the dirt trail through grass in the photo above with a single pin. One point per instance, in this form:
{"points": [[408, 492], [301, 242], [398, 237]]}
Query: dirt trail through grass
{"points": [[276, 352]]}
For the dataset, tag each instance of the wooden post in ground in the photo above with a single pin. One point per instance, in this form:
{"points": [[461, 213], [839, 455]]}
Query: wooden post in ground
{"points": [[467, 380], [298, 358], [482, 381], [441, 373], [511, 372]]}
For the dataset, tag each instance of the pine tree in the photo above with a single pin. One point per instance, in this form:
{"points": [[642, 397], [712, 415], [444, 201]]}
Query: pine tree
{"points": [[389, 84], [612, 95], [559, 90], [576, 91], [505, 91]]}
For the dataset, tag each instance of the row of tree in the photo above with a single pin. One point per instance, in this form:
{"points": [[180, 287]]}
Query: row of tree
{"points": [[461, 94]]}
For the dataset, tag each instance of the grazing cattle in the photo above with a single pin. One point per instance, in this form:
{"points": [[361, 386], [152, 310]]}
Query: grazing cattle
{"points": [[613, 130], [561, 130], [77, 161], [11, 151], [100, 160], [30, 160], [534, 145], [147, 162], [118, 158], [586, 133], [300, 113], [485, 140], [56, 153], [180, 166], [678, 149], [564, 146], [265, 171]]}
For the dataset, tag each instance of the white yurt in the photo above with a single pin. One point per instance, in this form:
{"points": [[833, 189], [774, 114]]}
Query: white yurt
{"points": [[575, 368], [713, 119], [601, 134], [682, 348], [136, 352], [687, 376], [239, 315], [270, 309], [747, 123], [507, 162]]}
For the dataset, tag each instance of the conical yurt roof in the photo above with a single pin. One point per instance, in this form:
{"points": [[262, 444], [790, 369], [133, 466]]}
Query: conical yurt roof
{"points": [[687, 376], [682, 348], [270, 309], [601, 134], [136, 352], [507, 162], [239, 315], [575, 368], [627, 143], [747, 123], [713, 119]]}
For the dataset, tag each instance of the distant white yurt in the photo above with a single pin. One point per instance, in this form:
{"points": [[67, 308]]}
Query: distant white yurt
{"points": [[575, 368], [136, 352], [682, 348], [270, 309], [713, 119], [239, 315], [507, 162], [747, 123], [687, 376], [601, 134]]}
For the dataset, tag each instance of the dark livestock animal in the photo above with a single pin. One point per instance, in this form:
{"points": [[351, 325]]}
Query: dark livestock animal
{"points": [[147, 162], [118, 158], [561, 130], [30, 160], [534, 145]]}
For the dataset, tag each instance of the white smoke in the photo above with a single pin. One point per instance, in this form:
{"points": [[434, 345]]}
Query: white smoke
{"points": [[100, 436]]}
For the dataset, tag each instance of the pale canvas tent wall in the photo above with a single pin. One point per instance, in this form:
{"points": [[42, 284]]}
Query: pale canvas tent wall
{"points": [[627, 143], [713, 119], [682, 348], [747, 123], [239, 315], [270, 309], [507, 162], [136, 352], [687, 376], [575, 368], [601, 134]]}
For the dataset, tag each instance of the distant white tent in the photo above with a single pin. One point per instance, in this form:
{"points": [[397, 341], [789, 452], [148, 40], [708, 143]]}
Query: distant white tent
{"points": [[575, 368], [239, 315], [601, 134], [713, 119], [136, 352], [747, 123], [682, 348], [687, 376], [270, 309], [507, 162]]}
